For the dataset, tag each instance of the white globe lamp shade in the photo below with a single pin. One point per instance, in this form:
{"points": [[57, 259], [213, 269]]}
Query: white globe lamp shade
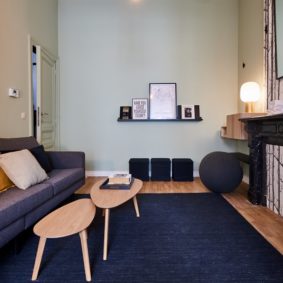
{"points": [[250, 92]]}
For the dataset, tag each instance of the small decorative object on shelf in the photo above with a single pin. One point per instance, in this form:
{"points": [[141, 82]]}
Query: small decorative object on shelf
{"points": [[125, 112], [140, 108], [190, 112]]}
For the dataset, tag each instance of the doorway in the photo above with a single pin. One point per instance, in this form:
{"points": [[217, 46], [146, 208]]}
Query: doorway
{"points": [[44, 97], [34, 93]]}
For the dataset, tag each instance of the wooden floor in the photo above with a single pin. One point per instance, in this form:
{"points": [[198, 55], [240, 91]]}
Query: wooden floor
{"points": [[267, 223]]}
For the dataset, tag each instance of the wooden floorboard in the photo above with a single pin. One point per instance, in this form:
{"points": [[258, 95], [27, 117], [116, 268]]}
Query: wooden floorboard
{"points": [[266, 222]]}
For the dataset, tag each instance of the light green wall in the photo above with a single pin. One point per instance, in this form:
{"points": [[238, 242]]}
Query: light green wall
{"points": [[18, 18], [251, 52], [251, 48], [110, 50]]}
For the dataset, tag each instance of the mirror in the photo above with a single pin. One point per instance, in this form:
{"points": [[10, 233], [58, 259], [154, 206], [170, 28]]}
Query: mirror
{"points": [[279, 37]]}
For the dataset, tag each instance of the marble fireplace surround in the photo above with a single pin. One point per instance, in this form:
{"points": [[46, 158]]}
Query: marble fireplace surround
{"points": [[262, 131]]}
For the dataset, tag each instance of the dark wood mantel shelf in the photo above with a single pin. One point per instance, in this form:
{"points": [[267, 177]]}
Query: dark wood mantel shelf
{"points": [[263, 118], [262, 130]]}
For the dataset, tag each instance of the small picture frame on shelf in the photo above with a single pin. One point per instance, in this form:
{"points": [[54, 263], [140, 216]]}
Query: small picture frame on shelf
{"points": [[140, 108], [125, 112], [188, 112]]}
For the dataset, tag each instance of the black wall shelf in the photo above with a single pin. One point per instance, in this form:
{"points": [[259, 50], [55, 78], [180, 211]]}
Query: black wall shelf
{"points": [[160, 120]]}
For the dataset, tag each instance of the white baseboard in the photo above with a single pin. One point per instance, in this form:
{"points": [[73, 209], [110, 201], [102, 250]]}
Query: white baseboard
{"points": [[108, 173], [196, 173], [246, 179]]}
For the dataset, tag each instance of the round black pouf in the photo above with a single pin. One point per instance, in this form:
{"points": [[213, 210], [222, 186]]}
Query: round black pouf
{"points": [[220, 172]]}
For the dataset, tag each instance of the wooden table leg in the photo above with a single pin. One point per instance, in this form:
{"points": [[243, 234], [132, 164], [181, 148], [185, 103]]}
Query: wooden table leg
{"points": [[106, 231], [83, 236], [136, 206], [38, 258]]}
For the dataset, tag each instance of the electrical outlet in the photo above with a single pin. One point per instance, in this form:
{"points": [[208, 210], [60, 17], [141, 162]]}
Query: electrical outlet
{"points": [[14, 92]]}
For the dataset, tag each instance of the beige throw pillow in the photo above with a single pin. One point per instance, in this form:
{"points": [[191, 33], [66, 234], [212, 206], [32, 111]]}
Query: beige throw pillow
{"points": [[22, 168]]}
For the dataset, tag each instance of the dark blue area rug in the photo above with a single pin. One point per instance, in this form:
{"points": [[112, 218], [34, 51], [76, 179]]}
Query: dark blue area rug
{"points": [[178, 238]]}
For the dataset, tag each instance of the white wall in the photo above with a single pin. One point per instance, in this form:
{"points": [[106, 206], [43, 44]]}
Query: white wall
{"points": [[110, 50], [18, 18]]}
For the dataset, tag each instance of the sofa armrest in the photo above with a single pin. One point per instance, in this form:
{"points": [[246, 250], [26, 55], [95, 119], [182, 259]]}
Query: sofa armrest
{"points": [[66, 159]]}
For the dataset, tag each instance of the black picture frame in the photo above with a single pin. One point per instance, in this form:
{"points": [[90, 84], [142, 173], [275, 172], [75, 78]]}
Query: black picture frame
{"points": [[163, 101], [188, 112], [140, 108], [125, 112]]}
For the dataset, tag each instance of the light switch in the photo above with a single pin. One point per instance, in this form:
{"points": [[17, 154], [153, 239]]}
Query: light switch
{"points": [[14, 92], [23, 115]]}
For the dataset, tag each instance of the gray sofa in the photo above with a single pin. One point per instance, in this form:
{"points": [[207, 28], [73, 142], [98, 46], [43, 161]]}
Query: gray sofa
{"points": [[20, 209]]}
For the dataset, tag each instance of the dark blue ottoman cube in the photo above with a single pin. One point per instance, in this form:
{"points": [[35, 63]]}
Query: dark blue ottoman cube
{"points": [[182, 169], [160, 169], [139, 168]]}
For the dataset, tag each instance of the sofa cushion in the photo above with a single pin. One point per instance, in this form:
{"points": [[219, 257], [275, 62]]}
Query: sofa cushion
{"points": [[22, 168], [46, 207], [5, 182], [12, 144], [15, 203], [42, 158], [61, 179]]}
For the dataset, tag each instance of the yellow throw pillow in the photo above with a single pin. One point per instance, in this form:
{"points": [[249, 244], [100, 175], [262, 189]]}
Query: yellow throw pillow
{"points": [[5, 182]]}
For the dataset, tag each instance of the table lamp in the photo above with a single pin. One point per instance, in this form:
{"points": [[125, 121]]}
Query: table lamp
{"points": [[249, 93]]}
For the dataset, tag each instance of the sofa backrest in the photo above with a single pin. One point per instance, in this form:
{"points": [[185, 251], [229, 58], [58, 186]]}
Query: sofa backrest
{"points": [[10, 144]]}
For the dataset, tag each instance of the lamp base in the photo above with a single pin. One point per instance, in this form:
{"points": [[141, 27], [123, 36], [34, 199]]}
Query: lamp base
{"points": [[249, 107]]}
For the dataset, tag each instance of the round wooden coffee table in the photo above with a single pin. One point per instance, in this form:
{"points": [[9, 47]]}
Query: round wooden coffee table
{"points": [[107, 199], [67, 220]]}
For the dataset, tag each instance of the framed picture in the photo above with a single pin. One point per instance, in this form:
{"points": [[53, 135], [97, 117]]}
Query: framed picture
{"points": [[163, 100], [278, 12], [188, 112], [125, 112], [140, 108]]}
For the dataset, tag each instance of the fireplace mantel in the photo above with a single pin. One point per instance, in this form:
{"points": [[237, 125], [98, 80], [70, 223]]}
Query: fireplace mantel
{"points": [[262, 130]]}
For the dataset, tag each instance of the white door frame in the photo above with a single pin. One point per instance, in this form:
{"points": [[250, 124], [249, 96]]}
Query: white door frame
{"points": [[31, 43]]}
